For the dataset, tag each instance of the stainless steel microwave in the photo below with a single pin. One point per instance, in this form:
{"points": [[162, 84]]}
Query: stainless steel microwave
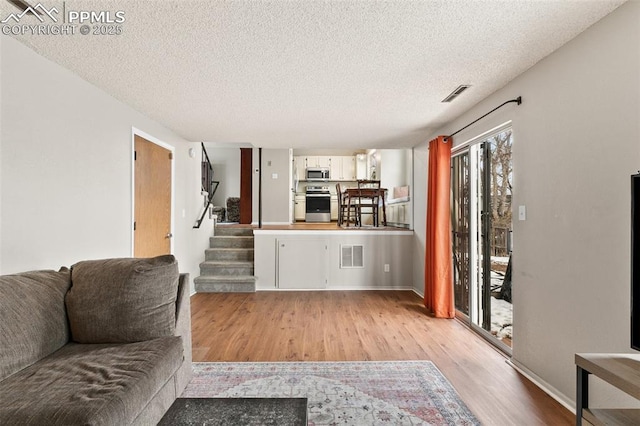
{"points": [[318, 174]]}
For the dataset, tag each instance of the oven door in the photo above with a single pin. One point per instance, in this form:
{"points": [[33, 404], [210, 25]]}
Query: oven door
{"points": [[318, 208]]}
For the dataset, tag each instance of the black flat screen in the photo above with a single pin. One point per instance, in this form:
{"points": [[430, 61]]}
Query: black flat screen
{"points": [[635, 262]]}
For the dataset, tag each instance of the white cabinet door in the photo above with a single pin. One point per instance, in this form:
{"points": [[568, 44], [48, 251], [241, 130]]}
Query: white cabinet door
{"points": [[336, 168], [323, 161], [299, 168], [392, 213], [309, 161], [302, 264], [398, 213], [316, 161], [361, 168], [404, 213], [334, 207], [299, 208], [348, 168]]}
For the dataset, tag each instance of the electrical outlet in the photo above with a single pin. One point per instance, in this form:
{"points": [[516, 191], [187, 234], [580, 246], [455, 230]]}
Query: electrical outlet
{"points": [[386, 267]]}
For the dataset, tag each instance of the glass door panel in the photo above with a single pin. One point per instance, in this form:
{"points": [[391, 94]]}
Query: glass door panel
{"points": [[481, 235], [498, 226], [460, 203]]}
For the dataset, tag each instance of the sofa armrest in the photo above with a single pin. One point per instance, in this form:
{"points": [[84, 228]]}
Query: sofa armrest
{"points": [[183, 329]]}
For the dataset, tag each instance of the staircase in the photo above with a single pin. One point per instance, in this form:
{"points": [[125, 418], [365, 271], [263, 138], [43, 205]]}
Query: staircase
{"points": [[228, 265]]}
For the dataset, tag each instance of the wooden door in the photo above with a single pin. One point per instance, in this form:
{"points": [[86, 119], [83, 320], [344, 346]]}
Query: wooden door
{"points": [[246, 179], [152, 200]]}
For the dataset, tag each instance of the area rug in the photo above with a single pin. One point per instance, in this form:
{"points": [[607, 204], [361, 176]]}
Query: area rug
{"points": [[342, 393]]}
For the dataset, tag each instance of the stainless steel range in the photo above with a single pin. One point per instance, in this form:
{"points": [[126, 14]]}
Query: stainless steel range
{"points": [[318, 204]]}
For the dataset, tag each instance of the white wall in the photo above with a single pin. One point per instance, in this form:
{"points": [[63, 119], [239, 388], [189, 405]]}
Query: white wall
{"points": [[393, 168], [576, 142], [276, 191], [419, 197], [66, 169], [226, 170]]}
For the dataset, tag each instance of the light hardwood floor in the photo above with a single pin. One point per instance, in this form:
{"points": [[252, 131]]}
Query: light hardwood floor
{"points": [[368, 325]]}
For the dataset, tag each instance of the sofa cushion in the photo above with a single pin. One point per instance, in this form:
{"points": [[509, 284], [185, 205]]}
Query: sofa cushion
{"points": [[33, 321], [123, 300], [85, 384]]}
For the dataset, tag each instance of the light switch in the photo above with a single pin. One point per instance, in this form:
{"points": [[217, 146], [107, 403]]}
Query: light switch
{"points": [[522, 213], [274, 176]]}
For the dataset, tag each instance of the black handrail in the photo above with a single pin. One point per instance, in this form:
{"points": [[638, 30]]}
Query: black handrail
{"points": [[207, 184]]}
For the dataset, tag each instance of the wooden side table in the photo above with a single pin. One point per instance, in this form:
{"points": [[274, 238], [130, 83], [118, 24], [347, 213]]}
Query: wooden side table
{"points": [[619, 370]]}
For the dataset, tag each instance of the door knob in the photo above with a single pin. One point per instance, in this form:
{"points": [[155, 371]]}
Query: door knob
{"points": [[169, 235]]}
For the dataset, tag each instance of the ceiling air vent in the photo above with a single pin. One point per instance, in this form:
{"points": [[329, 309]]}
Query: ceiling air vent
{"points": [[456, 92]]}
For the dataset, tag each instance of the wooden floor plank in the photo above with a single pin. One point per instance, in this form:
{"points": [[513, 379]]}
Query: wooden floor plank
{"points": [[369, 326]]}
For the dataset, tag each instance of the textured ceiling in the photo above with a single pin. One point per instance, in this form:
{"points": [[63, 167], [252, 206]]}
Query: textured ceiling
{"points": [[312, 74]]}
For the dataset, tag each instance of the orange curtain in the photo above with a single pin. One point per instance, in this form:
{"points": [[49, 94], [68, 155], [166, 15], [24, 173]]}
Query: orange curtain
{"points": [[438, 282]]}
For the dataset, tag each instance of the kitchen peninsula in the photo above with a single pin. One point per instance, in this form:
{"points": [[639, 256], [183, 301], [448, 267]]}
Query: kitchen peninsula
{"points": [[323, 256]]}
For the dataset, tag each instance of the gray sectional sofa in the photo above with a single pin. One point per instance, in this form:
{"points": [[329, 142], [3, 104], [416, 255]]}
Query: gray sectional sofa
{"points": [[107, 342]]}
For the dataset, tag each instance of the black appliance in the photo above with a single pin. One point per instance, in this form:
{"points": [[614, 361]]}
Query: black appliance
{"points": [[318, 204]]}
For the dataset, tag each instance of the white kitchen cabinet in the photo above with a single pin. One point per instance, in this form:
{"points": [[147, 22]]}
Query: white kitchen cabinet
{"points": [[334, 207], [299, 210], [298, 168], [311, 161], [336, 168], [307, 161], [348, 168], [315, 161], [323, 161], [361, 167], [341, 167], [398, 214], [392, 214], [402, 213]]}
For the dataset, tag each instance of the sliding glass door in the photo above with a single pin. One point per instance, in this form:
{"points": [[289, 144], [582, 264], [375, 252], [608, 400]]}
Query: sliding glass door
{"points": [[481, 235], [460, 223]]}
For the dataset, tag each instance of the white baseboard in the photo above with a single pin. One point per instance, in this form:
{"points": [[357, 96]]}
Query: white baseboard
{"points": [[546, 387]]}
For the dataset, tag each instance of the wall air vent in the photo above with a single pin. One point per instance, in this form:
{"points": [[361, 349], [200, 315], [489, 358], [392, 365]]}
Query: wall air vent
{"points": [[351, 256], [456, 92]]}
